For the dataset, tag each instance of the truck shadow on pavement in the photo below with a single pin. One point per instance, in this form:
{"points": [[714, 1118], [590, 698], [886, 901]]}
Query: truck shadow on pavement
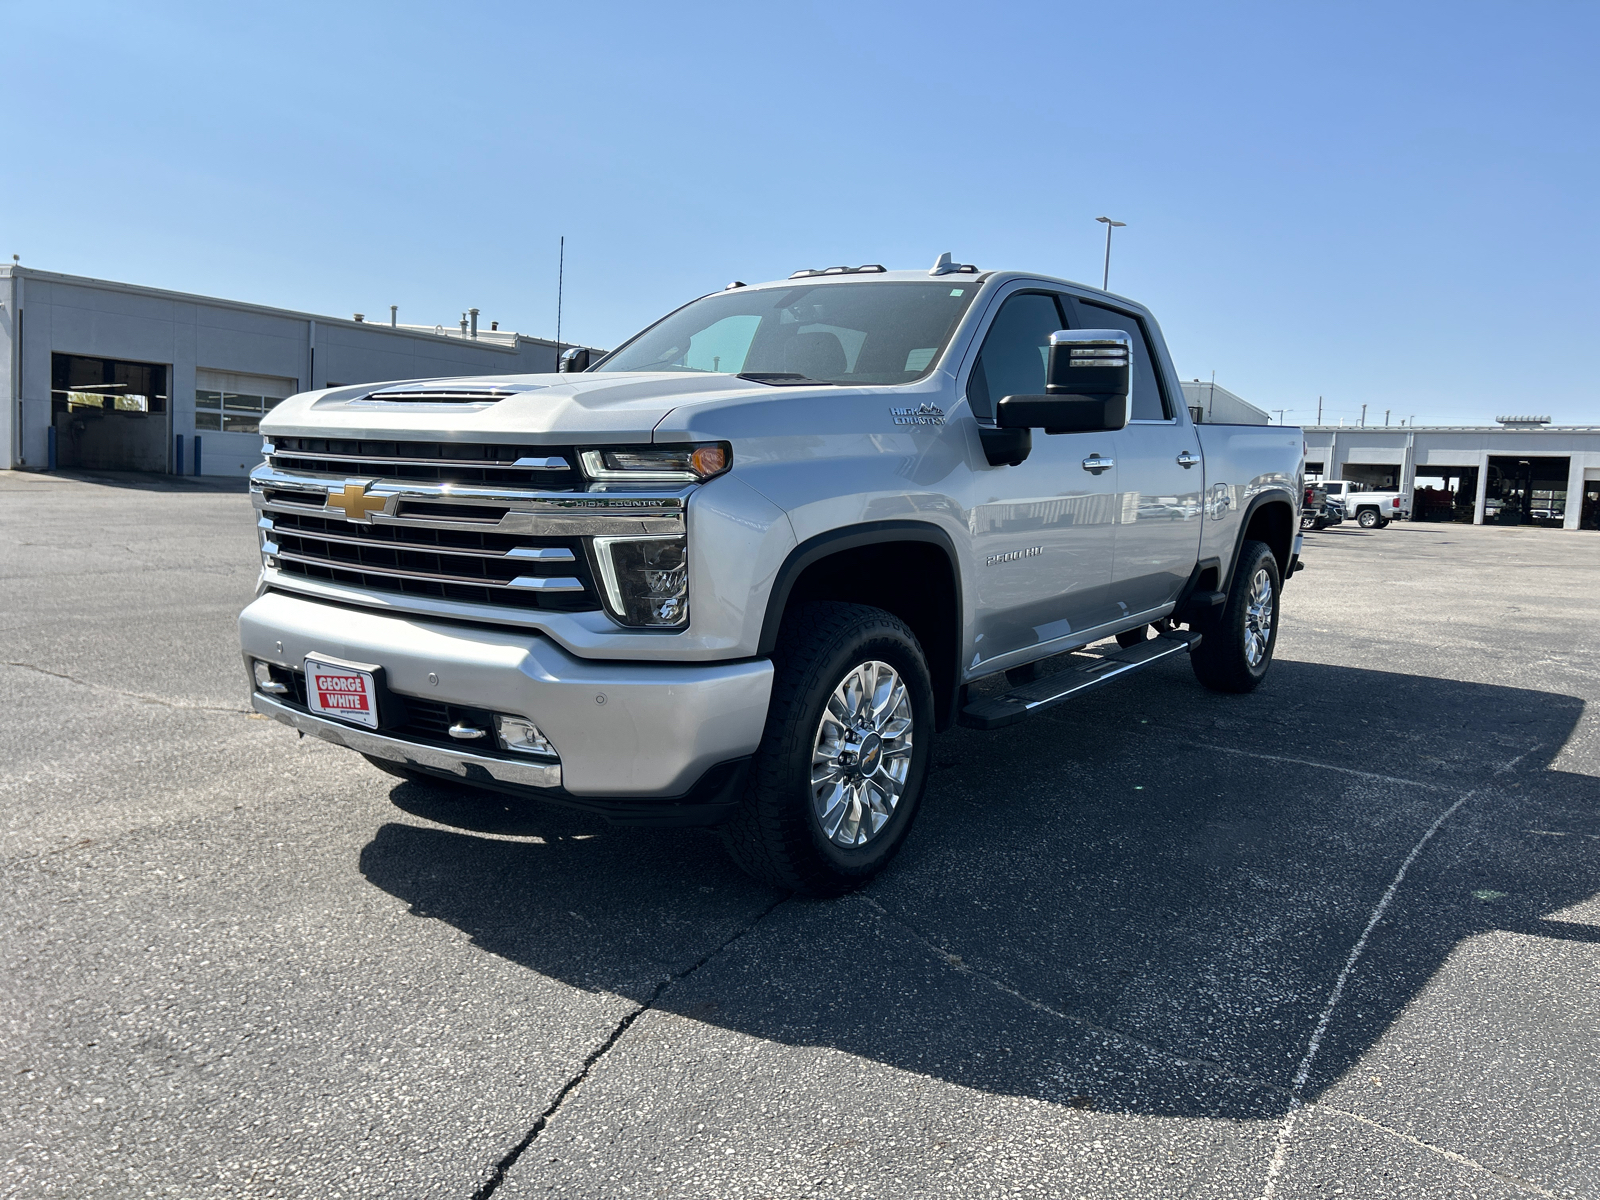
{"points": [[1140, 905]]}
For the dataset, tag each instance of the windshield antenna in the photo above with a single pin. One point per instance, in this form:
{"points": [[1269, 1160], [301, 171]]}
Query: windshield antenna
{"points": [[943, 266]]}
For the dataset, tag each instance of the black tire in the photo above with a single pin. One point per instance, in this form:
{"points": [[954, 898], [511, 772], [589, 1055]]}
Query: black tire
{"points": [[1368, 519], [777, 834], [1222, 661], [1132, 637], [1383, 522]]}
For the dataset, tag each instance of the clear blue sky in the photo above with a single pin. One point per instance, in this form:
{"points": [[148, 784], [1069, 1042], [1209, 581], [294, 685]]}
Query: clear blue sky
{"points": [[1386, 204]]}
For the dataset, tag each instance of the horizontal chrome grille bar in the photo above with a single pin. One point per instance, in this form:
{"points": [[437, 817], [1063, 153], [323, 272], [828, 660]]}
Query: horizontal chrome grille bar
{"points": [[640, 501], [516, 553], [522, 582], [520, 464]]}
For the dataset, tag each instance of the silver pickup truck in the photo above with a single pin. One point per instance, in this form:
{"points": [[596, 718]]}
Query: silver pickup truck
{"points": [[740, 571]]}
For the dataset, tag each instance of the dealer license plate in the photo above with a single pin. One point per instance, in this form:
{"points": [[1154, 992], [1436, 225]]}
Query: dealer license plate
{"points": [[342, 692]]}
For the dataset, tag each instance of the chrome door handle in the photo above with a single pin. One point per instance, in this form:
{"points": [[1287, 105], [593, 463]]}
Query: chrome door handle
{"points": [[1095, 464], [1187, 460]]}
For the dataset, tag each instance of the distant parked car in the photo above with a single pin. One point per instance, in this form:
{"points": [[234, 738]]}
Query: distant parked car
{"points": [[1314, 507], [1371, 509]]}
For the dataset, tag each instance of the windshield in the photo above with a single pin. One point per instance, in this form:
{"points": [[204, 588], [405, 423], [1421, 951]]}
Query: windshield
{"points": [[832, 333]]}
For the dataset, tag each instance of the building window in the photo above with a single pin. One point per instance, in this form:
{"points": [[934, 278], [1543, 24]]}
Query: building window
{"points": [[229, 402]]}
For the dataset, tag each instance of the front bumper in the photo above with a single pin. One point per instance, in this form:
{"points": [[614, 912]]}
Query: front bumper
{"points": [[621, 730]]}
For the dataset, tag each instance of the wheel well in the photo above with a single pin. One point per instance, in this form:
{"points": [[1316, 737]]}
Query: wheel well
{"points": [[1273, 524], [913, 580]]}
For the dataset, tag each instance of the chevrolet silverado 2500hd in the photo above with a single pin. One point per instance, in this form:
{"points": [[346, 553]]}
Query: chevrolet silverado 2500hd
{"points": [[739, 571]]}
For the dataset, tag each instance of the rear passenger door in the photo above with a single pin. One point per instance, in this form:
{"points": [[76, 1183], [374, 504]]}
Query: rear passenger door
{"points": [[1160, 479], [1042, 530]]}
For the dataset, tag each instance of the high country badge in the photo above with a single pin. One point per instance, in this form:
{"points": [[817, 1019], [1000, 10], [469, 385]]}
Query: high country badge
{"points": [[923, 414]]}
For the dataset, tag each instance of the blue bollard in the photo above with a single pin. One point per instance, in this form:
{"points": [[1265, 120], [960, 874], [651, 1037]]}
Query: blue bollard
{"points": [[177, 455], [197, 454], [50, 448]]}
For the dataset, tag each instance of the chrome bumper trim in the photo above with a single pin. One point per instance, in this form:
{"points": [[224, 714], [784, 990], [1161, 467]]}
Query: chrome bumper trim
{"points": [[470, 767]]}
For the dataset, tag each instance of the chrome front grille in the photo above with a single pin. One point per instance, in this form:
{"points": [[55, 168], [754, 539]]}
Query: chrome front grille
{"points": [[467, 530], [447, 564]]}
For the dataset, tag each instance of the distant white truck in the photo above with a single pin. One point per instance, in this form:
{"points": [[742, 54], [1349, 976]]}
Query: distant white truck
{"points": [[1368, 508]]}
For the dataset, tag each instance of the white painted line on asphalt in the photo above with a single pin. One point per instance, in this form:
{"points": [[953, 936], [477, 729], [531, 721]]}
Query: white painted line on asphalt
{"points": [[1280, 1153], [1526, 1185], [1306, 762], [1106, 1031]]}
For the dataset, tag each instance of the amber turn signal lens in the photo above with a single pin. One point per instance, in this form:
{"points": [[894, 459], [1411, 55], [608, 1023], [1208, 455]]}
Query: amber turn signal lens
{"points": [[708, 461]]}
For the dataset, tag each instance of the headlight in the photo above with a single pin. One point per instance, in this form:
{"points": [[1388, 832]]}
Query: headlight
{"points": [[687, 463], [646, 579]]}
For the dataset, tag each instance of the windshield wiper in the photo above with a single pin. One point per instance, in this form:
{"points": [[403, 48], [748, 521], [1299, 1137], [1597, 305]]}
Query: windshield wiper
{"points": [[784, 379]]}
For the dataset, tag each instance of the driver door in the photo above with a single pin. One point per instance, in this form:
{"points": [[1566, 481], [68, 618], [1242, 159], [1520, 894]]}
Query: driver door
{"points": [[1042, 531]]}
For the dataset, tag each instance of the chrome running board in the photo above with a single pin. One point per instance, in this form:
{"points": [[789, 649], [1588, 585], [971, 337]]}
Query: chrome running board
{"points": [[995, 712]]}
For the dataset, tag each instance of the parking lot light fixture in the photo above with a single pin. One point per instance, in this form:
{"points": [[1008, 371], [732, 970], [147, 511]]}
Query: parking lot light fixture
{"points": [[1105, 278]]}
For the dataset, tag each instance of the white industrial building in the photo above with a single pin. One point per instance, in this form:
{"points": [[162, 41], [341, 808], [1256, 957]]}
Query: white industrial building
{"points": [[1213, 405], [142, 379], [1523, 471]]}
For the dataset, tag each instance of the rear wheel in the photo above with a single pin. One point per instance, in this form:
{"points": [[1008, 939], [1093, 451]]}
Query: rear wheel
{"points": [[1235, 651], [1367, 519], [841, 767]]}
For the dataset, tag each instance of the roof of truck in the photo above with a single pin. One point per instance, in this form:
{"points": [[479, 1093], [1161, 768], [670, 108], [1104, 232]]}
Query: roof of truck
{"points": [[828, 275]]}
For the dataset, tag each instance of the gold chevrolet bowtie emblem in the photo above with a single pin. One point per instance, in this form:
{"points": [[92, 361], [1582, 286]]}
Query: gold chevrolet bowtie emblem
{"points": [[355, 502]]}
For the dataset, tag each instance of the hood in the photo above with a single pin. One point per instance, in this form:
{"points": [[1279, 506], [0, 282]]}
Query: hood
{"points": [[612, 407]]}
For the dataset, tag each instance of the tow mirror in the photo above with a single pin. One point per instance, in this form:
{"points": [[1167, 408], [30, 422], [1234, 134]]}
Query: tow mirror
{"points": [[1088, 382], [575, 359]]}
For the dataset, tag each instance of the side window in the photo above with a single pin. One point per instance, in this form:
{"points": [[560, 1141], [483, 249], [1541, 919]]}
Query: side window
{"points": [[1147, 403], [1012, 361]]}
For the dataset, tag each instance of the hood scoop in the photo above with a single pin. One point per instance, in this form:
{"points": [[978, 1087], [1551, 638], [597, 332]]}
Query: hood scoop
{"points": [[437, 394]]}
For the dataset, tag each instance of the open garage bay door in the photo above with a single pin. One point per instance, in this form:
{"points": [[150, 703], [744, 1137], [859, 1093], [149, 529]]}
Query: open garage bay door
{"points": [[109, 415]]}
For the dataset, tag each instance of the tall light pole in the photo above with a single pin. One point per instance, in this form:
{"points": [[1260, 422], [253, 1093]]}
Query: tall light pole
{"points": [[1105, 279], [1280, 412]]}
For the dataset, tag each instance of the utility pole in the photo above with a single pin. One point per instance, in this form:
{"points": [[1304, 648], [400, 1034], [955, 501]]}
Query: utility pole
{"points": [[1386, 413], [561, 279], [1105, 278], [1363, 416], [1319, 410], [1280, 412]]}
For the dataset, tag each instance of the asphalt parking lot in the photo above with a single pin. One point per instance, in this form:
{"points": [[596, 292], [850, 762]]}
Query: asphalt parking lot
{"points": [[1338, 937]]}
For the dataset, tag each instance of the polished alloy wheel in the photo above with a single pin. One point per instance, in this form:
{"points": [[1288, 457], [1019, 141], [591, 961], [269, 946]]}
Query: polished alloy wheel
{"points": [[1258, 618], [862, 754]]}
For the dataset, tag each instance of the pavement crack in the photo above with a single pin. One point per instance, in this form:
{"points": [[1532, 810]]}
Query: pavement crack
{"points": [[542, 1122], [1108, 1031], [111, 691]]}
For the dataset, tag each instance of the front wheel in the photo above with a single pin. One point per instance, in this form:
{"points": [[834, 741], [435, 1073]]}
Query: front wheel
{"points": [[1367, 519], [841, 767], [1235, 651]]}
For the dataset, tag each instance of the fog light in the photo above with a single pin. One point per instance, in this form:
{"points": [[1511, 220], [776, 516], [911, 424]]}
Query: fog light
{"points": [[523, 736], [265, 682]]}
